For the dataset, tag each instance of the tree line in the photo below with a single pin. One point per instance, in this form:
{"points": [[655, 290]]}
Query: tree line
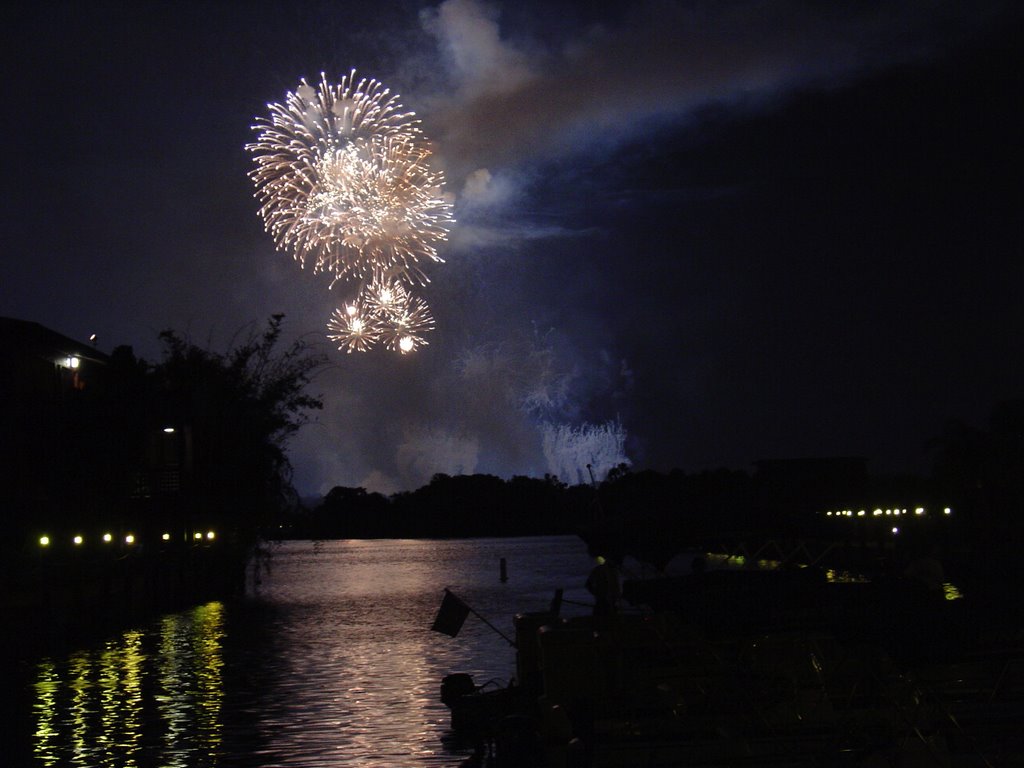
{"points": [[978, 471]]}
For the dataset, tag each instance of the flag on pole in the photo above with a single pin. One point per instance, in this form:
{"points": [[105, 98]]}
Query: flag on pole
{"points": [[451, 615]]}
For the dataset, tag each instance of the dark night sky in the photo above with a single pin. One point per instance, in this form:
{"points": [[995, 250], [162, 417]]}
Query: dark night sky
{"points": [[742, 229]]}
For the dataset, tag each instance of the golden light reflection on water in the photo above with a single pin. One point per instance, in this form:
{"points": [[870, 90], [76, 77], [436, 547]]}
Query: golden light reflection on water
{"points": [[45, 706], [839, 576], [94, 711], [950, 591], [191, 689]]}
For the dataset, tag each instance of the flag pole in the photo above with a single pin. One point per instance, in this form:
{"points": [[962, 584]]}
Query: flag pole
{"points": [[485, 621]]}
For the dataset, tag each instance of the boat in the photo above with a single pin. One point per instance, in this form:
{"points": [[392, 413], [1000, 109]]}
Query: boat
{"points": [[676, 683]]}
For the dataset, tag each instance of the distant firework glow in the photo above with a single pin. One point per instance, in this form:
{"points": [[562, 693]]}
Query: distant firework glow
{"points": [[344, 183]]}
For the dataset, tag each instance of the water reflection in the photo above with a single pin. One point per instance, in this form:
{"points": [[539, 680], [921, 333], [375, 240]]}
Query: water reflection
{"points": [[191, 687], [99, 707], [330, 663]]}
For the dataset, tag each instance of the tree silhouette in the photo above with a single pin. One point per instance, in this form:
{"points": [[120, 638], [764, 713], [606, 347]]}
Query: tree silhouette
{"points": [[239, 410]]}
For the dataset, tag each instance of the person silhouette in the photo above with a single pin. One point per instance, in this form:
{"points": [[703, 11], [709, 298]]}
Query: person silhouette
{"points": [[603, 583]]}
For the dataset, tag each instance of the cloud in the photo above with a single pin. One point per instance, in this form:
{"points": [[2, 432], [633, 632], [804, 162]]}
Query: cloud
{"points": [[606, 84], [482, 190], [469, 38], [485, 396], [428, 450], [489, 215], [477, 234], [378, 482]]}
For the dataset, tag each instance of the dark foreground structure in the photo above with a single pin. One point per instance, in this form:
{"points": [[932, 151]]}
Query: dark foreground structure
{"points": [[753, 661], [129, 488]]}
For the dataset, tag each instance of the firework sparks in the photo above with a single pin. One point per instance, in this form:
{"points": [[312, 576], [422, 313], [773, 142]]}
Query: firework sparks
{"points": [[344, 183], [384, 311], [351, 330], [406, 326], [373, 205]]}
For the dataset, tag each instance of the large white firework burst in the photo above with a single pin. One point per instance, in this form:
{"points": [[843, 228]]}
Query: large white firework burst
{"points": [[344, 183]]}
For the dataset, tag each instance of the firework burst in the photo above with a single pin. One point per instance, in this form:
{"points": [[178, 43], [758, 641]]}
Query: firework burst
{"points": [[343, 179], [384, 311], [351, 330], [406, 326]]}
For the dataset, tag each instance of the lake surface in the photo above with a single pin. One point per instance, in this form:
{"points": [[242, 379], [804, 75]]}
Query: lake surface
{"points": [[329, 661]]}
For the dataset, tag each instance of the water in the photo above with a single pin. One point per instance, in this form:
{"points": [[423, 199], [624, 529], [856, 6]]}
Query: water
{"points": [[329, 662]]}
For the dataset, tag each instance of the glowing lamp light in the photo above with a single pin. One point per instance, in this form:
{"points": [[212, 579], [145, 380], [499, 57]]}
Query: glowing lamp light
{"points": [[129, 539], [169, 430], [78, 540], [166, 537], [197, 535], [919, 511], [108, 537], [895, 530], [210, 535], [44, 541], [947, 511]]}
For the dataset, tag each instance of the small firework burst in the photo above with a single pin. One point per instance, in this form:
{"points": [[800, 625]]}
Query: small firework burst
{"points": [[384, 297], [351, 330], [406, 326], [384, 311]]}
